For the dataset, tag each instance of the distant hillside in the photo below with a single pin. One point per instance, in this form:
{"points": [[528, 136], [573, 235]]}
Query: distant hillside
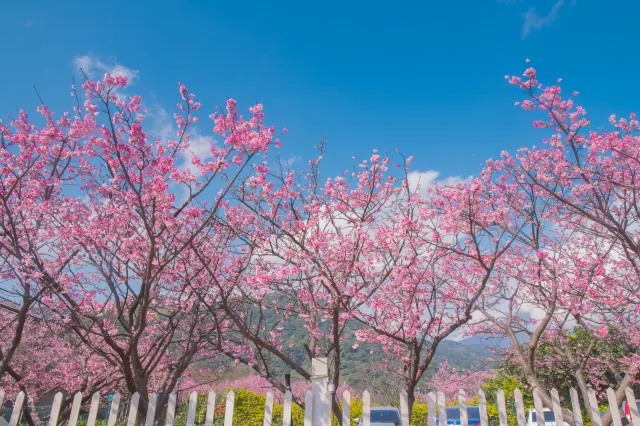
{"points": [[367, 367]]}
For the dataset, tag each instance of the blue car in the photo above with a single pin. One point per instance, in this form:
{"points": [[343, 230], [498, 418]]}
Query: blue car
{"points": [[453, 416]]}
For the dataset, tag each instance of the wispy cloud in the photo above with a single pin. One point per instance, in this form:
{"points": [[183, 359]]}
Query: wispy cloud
{"points": [[28, 23], [92, 66], [430, 178], [533, 21]]}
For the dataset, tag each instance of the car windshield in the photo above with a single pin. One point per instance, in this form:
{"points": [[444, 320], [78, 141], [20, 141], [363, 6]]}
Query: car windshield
{"points": [[548, 417], [384, 416], [454, 412]]}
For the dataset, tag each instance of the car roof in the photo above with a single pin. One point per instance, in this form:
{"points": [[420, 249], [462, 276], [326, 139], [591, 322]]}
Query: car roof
{"points": [[383, 408]]}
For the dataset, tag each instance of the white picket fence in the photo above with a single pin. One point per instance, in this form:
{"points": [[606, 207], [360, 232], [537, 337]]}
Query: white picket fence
{"points": [[435, 401]]}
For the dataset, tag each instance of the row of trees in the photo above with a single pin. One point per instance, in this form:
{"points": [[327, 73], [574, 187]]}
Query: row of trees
{"points": [[125, 268]]}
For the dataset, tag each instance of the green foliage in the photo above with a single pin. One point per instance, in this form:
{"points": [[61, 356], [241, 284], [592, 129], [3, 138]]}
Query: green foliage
{"points": [[419, 415], [508, 384]]}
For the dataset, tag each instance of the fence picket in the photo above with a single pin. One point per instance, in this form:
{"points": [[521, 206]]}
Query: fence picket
{"points": [[404, 408], [346, 407], [593, 408], [482, 403], [115, 407], [268, 409], [431, 409], [93, 409], [517, 396], [151, 410], [55, 409], [537, 404], [191, 413], [308, 408], [133, 409], [613, 402], [633, 407], [75, 409], [17, 410], [442, 411], [286, 413], [211, 408], [557, 411], [366, 409], [436, 408], [462, 402], [171, 409], [228, 412], [502, 408], [575, 404]]}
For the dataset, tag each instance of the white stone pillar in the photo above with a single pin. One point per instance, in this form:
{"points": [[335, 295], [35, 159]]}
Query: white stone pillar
{"points": [[319, 387]]}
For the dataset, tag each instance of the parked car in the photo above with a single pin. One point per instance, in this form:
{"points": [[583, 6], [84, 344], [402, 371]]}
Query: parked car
{"points": [[626, 412], [549, 418], [453, 416], [383, 416]]}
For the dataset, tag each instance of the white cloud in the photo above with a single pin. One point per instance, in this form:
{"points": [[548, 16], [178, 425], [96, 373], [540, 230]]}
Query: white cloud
{"points": [[292, 159], [93, 66], [161, 123], [532, 20], [199, 146], [429, 179]]}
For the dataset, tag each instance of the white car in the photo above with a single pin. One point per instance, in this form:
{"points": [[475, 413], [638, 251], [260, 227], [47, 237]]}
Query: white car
{"points": [[383, 416], [549, 418]]}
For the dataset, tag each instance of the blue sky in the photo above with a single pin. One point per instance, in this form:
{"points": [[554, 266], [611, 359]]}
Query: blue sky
{"points": [[424, 77]]}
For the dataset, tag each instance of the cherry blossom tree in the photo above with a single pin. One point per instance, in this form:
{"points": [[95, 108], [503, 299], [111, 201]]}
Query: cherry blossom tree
{"points": [[451, 380], [308, 250], [118, 261], [444, 247], [582, 250]]}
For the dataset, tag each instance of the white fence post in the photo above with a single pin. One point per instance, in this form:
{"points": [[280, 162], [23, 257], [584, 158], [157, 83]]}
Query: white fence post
{"points": [[346, 408], [286, 412], [17, 409], [55, 409], [557, 411], [75, 409], [113, 411], [537, 403], [502, 408], [442, 411], [133, 409], [191, 413], [575, 404], [308, 409], [517, 396], [613, 402], [431, 410], [268, 409], [404, 408], [366, 409], [228, 412], [482, 404], [151, 410], [462, 402], [171, 409], [319, 383], [211, 408], [593, 408]]}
